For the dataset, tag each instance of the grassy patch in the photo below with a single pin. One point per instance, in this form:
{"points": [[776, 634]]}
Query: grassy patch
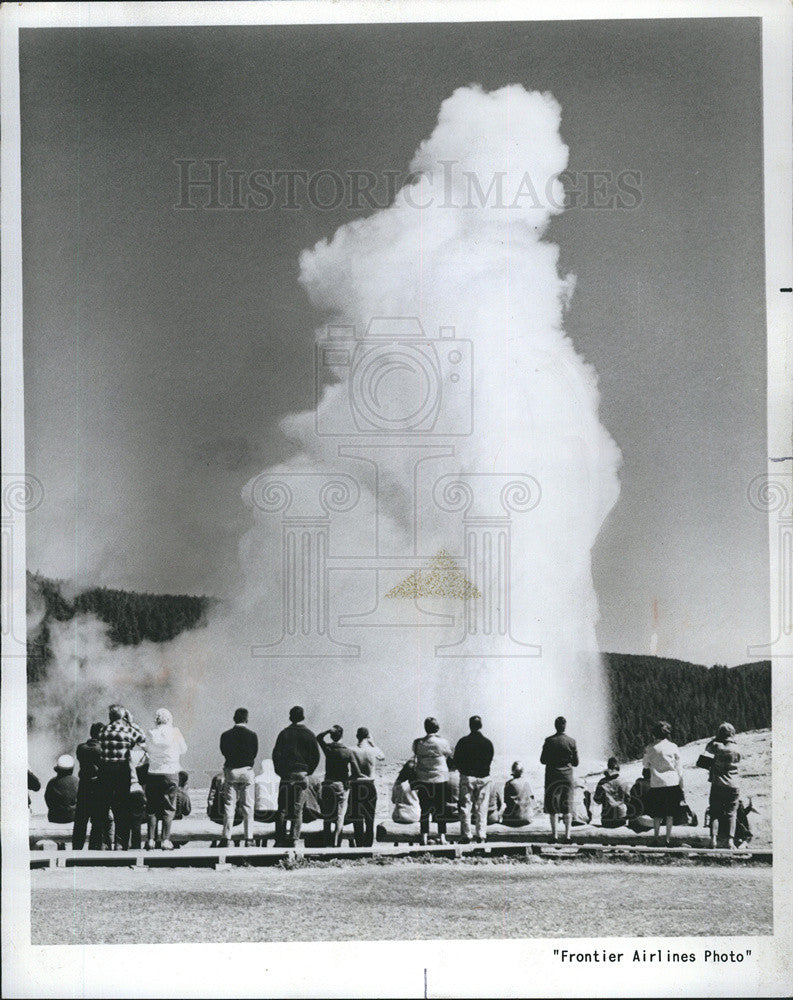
{"points": [[398, 901]]}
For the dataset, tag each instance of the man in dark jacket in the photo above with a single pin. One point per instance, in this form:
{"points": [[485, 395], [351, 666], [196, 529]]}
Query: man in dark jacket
{"points": [[340, 766], [89, 757], [239, 747], [473, 756], [295, 757], [61, 792]]}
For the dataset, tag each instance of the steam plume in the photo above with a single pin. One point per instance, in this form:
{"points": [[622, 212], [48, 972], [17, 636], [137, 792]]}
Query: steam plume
{"points": [[472, 257]]}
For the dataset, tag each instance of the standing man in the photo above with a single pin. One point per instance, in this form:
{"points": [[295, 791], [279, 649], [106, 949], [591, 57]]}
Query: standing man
{"points": [[363, 792], [295, 757], [473, 756], [89, 757], [239, 746], [560, 756], [115, 743], [340, 764]]}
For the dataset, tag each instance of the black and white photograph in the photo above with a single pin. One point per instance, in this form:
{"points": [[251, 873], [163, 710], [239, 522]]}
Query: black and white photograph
{"points": [[397, 499]]}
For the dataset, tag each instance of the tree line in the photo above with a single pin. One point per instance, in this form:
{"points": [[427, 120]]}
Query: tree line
{"points": [[694, 699], [131, 618], [644, 689]]}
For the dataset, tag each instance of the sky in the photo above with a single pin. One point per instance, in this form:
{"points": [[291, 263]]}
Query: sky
{"points": [[163, 346]]}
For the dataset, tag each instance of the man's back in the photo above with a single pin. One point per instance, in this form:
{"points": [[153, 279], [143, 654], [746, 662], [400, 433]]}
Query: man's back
{"points": [[296, 749], [367, 757], [89, 756], [473, 755], [339, 762], [117, 740], [239, 746]]}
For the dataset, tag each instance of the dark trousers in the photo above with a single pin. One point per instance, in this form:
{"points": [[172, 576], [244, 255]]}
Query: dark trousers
{"points": [[363, 804], [88, 809], [113, 798], [432, 802], [291, 798]]}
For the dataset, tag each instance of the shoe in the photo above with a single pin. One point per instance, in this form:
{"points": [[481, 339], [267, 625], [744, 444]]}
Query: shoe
{"points": [[424, 840], [167, 845], [249, 843], [464, 840], [223, 842], [149, 845], [442, 839]]}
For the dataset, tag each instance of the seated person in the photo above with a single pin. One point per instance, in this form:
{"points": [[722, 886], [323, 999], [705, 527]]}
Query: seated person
{"points": [[183, 804], [518, 799], [61, 792], [404, 796], [612, 796], [639, 818], [582, 804], [494, 804]]}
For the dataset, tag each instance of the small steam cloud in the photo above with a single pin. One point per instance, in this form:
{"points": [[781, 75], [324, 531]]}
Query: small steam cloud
{"points": [[518, 405]]}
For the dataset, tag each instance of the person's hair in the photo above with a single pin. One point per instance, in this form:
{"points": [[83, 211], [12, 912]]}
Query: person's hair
{"points": [[475, 723], [240, 715], [560, 723], [613, 764], [662, 731], [116, 712], [645, 772], [517, 768], [726, 731], [336, 733], [183, 776], [431, 725], [96, 729], [163, 717], [296, 714], [362, 734]]}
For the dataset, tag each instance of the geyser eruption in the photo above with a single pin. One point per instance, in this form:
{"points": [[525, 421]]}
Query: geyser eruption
{"points": [[427, 551]]}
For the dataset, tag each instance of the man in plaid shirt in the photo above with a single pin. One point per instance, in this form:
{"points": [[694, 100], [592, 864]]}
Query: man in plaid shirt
{"points": [[115, 743], [120, 736]]}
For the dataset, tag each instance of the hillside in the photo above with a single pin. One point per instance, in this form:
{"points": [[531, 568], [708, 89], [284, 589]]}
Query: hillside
{"points": [[692, 697], [131, 618]]}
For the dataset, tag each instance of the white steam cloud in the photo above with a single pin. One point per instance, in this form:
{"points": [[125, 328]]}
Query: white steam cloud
{"points": [[471, 258], [461, 247]]}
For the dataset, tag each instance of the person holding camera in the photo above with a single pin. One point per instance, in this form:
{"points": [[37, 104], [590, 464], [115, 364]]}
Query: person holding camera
{"points": [[723, 802]]}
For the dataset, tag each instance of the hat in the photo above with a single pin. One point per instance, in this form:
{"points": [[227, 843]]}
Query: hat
{"points": [[65, 763]]}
